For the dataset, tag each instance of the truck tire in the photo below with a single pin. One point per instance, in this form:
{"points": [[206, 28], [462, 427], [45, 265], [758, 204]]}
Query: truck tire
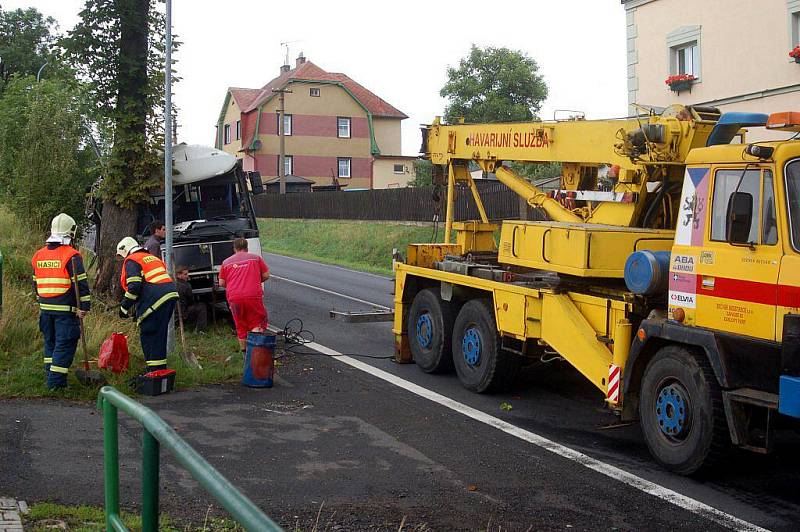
{"points": [[481, 365], [681, 412], [430, 329]]}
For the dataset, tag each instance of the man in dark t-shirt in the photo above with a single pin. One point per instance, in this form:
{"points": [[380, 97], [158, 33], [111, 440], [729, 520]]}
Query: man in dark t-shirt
{"points": [[159, 233]]}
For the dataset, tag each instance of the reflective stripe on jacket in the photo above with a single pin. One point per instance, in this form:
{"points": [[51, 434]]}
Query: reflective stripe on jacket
{"points": [[52, 277], [153, 270], [147, 284]]}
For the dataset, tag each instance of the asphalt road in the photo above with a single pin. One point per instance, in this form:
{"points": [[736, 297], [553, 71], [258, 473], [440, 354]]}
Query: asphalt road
{"points": [[333, 447], [551, 400]]}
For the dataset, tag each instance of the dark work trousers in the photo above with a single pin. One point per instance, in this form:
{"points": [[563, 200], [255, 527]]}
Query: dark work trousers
{"points": [[197, 316], [61, 332], [153, 335]]}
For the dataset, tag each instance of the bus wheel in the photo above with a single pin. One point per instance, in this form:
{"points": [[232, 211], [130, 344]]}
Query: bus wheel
{"points": [[430, 327], [681, 412], [481, 365]]}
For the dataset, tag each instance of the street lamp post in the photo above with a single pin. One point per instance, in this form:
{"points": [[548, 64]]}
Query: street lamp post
{"points": [[38, 74], [168, 160]]}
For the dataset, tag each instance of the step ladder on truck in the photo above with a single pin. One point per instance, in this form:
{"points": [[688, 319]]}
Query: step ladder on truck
{"points": [[667, 272]]}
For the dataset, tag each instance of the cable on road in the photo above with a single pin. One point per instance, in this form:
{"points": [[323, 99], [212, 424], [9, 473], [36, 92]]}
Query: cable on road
{"points": [[296, 335]]}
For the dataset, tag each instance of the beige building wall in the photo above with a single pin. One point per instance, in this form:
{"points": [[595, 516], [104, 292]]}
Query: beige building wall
{"points": [[743, 62], [332, 101], [387, 135], [232, 114], [385, 176]]}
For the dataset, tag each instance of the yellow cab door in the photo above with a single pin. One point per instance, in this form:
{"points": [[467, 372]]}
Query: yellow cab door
{"points": [[789, 278], [737, 268]]}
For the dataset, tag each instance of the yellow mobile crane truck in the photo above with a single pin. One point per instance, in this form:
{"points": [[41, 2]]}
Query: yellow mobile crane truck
{"points": [[667, 272]]}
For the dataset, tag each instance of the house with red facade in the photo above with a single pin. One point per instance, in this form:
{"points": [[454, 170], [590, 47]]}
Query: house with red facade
{"points": [[335, 129]]}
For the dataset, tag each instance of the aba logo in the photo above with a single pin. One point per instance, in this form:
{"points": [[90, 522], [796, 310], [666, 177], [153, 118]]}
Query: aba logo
{"points": [[683, 263]]}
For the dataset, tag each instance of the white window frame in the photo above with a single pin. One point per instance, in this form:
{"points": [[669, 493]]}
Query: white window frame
{"points": [[314, 92], [238, 130], [689, 53], [288, 164], [402, 169], [339, 124], [287, 124], [793, 9], [226, 135], [682, 39], [339, 161]]}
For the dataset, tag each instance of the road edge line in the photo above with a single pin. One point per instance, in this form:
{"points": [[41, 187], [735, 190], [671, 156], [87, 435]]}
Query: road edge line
{"points": [[351, 298]]}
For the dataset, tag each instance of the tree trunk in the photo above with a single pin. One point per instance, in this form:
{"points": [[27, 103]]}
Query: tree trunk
{"points": [[130, 137], [117, 223]]}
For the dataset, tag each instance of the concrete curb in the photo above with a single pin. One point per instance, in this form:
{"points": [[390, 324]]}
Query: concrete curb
{"points": [[10, 520]]}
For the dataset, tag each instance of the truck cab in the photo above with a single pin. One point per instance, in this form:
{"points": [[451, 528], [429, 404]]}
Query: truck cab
{"points": [[734, 287], [212, 205]]}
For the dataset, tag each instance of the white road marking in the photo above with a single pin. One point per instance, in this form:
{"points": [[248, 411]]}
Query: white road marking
{"points": [[385, 278], [646, 486], [351, 298]]}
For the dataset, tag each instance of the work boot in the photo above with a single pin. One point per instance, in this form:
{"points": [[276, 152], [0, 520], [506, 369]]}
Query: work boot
{"points": [[56, 380]]}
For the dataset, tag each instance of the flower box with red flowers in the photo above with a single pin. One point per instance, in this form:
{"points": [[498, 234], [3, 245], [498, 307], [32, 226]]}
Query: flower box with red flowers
{"points": [[795, 54], [680, 82]]}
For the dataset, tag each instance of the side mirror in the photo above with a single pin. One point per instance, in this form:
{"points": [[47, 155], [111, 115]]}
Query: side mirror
{"points": [[255, 183], [740, 218]]}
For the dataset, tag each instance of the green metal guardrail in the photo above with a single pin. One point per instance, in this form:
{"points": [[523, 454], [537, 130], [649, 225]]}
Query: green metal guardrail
{"points": [[157, 433]]}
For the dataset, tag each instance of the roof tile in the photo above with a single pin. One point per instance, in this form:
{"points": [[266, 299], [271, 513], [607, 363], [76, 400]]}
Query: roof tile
{"points": [[308, 71]]}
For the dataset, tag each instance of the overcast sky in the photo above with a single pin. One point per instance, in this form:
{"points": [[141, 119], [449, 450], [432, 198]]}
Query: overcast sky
{"points": [[399, 50]]}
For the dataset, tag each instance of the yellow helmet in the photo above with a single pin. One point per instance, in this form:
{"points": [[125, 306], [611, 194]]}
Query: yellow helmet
{"points": [[63, 225], [127, 246]]}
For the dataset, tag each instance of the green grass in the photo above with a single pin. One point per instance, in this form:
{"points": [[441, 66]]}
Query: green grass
{"points": [[365, 246], [21, 344], [45, 517]]}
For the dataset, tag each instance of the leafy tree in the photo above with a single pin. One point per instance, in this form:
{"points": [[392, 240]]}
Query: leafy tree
{"points": [[493, 85], [26, 42], [118, 50], [45, 162], [423, 173]]}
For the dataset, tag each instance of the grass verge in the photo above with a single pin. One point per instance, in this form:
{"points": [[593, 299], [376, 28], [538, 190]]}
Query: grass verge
{"points": [[365, 246], [21, 344], [45, 517]]}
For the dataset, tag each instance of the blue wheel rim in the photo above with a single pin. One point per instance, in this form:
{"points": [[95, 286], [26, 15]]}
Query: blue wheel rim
{"points": [[471, 346], [672, 411], [425, 331]]}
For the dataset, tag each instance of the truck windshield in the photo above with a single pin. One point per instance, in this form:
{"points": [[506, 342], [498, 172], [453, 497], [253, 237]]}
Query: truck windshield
{"points": [[792, 174], [205, 201]]}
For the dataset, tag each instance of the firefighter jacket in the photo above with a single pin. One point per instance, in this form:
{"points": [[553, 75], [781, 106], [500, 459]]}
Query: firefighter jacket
{"points": [[53, 279], [146, 283]]}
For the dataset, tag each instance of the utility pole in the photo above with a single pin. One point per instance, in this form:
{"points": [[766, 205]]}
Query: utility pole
{"points": [[282, 134], [168, 161]]}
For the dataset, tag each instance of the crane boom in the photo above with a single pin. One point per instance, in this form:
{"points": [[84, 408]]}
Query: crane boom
{"points": [[641, 150]]}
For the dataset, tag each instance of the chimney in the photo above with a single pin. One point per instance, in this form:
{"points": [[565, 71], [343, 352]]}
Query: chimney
{"points": [[300, 60], [285, 69]]}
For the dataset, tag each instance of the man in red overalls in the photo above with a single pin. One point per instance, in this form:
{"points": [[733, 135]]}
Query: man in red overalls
{"points": [[243, 275]]}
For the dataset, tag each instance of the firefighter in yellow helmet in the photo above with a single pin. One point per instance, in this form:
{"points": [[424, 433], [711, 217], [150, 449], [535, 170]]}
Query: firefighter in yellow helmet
{"points": [[55, 268], [150, 297]]}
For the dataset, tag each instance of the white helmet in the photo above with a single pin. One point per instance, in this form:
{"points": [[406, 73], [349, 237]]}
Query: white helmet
{"points": [[127, 246], [62, 226]]}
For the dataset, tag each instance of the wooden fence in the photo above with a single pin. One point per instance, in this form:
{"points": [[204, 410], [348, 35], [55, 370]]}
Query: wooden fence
{"points": [[413, 204]]}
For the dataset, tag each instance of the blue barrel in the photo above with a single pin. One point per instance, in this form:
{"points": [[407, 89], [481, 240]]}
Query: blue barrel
{"points": [[259, 362], [647, 272]]}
